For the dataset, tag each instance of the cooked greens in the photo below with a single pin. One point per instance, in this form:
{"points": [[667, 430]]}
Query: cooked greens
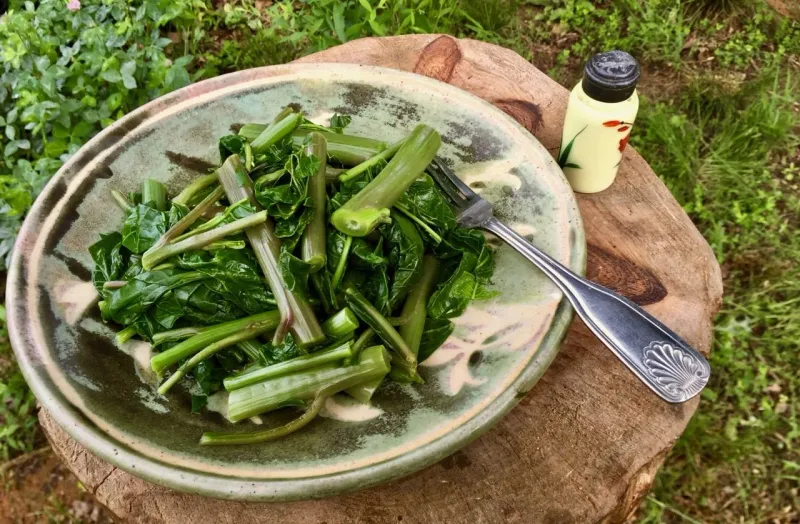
{"points": [[273, 277]]}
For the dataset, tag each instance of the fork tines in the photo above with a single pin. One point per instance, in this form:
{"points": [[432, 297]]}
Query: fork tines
{"points": [[459, 192]]}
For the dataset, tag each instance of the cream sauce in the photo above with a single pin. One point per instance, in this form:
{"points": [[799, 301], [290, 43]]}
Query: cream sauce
{"points": [[74, 297], [141, 352], [347, 409], [489, 330]]}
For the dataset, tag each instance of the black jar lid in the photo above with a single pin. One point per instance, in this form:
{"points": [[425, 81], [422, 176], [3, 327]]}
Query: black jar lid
{"points": [[611, 77]]}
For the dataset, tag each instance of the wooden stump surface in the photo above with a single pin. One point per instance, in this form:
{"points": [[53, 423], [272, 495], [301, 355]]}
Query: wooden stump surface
{"points": [[585, 443]]}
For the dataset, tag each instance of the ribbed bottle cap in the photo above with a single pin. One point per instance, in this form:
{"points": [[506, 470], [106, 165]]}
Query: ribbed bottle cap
{"points": [[611, 77]]}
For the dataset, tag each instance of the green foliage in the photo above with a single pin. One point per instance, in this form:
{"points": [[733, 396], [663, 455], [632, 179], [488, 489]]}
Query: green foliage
{"points": [[67, 74], [725, 148], [654, 31], [286, 29], [658, 31], [727, 158], [17, 403]]}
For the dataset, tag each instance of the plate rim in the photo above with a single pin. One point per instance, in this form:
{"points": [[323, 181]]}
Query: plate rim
{"points": [[85, 432]]}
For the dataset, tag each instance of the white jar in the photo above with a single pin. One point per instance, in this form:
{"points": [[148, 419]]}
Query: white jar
{"points": [[600, 114]]}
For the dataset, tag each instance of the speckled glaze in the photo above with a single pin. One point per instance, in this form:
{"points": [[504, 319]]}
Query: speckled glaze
{"points": [[97, 393]]}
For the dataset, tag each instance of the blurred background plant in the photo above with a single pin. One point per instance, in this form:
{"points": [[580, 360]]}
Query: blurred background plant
{"points": [[718, 123]]}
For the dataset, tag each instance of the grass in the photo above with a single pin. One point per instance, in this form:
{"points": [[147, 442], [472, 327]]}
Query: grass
{"points": [[718, 122]]}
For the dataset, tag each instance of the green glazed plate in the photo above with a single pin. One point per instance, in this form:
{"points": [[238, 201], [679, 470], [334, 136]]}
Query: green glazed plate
{"points": [[103, 396]]}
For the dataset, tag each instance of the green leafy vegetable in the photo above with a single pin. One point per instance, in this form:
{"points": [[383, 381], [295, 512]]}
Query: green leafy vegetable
{"points": [[424, 200], [108, 259], [210, 273], [370, 207], [143, 227], [435, 333], [405, 256]]}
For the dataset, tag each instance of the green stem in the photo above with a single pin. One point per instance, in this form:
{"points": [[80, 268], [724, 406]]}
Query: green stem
{"points": [[348, 150], [337, 353], [363, 167], [213, 222], [363, 341], [252, 349], [313, 240], [114, 284], [251, 131], [227, 244], [421, 223], [286, 111], [397, 321], [186, 222], [125, 335], [185, 196], [332, 174], [369, 208], [256, 437], [174, 335], [342, 264], [322, 283], [363, 392], [259, 323], [121, 200], [248, 157], [151, 258], [154, 192], [303, 386], [367, 312], [295, 311], [275, 132], [210, 350], [415, 307], [340, 324]]}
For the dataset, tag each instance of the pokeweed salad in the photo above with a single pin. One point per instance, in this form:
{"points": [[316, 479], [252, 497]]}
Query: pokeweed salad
{"points": [[310, 263]]}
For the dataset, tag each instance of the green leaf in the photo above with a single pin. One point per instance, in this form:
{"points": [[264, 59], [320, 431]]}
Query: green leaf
{"points": [[111, 75], [108, 259], [339, 122], [471, 241], [405, 256], [282, 197], [453, 296], [367, 256], [295, 273], [563, 157], [573, 166], [435, 333], [114, 101], [142, 228], [126, 304], [128, 68], [199, 402], [424, 200], [129, 82], [376, 26], [338, 22], [233, 275]]}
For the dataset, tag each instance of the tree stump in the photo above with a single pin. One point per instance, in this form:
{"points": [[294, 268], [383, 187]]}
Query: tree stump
{"points": [[585, 444]]}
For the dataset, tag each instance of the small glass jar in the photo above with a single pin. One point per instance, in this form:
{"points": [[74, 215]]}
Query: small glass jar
{"points": [[600, 114]]}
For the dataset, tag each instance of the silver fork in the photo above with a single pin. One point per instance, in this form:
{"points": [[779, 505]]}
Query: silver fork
{"points": [[657, 356]]}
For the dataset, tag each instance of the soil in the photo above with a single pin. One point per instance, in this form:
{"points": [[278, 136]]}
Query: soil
{"points": [[37, 488]]}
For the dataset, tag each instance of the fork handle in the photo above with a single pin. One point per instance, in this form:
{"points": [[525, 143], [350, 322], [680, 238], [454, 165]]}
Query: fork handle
{"points": [[659, 357]]}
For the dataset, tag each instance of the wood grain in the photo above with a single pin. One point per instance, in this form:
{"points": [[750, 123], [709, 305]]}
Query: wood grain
{"points": [[585, 443]]}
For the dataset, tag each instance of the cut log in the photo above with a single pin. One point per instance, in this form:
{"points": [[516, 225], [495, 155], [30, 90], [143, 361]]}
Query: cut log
{"points": [[585, 444]]}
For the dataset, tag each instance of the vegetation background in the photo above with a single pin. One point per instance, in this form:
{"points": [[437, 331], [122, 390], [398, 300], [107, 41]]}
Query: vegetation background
{"points": [[718, 123]]}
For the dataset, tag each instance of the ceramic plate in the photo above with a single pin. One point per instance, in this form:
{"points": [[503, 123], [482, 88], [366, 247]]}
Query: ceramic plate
{"points": [[103, 397]]}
